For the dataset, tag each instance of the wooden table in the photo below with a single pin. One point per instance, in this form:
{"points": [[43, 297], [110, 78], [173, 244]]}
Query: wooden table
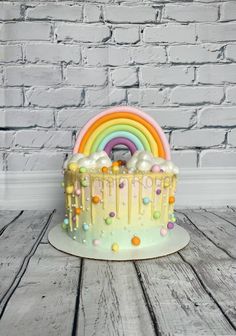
{"points": [[46, 292]]}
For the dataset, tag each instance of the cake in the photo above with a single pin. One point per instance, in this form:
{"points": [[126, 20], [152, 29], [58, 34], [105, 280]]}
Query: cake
{"points": [[118, 206]]}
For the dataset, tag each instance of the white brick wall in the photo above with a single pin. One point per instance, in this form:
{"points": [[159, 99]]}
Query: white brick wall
{"points": [[61, 62]]}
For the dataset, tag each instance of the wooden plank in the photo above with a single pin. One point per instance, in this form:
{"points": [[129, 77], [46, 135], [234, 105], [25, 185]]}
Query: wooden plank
{"points": [[200, 248], [44, 301], [16, 244], [229, 215], [57, 218], [214, 268], [180, 303], [111, 301], [7, 217], [219, 231]]}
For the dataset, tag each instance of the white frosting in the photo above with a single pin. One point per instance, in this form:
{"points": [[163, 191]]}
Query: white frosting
{"points": [[93, 161], [143, 161]]}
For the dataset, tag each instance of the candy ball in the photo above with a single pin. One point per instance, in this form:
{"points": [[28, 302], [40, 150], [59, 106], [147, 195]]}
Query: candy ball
{"points": [[115, 169], [84, 183], [73, 166], [115, 247], [121, 185], [163, 232], [146, 200], [77, 211], [155, 168], [171, 199], [108, 220], [158, 191], [136, 241], [66, 221], [104, 169], [112, 214], [74, 218], [96, 242], [82, 170], [62, 184], [156, 215], [115, 164], [69, 189], [85, 227], [64, 226], [170, 225], [96, 199], [78, 192]]}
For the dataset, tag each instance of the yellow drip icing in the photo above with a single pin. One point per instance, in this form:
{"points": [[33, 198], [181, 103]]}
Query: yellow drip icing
{"points": [[76, 216], [91, 195], [129, 199], [153, 196], [104, 191], [83, 198], [70, 212], [110, 186], [140, 194], [117, 198]]}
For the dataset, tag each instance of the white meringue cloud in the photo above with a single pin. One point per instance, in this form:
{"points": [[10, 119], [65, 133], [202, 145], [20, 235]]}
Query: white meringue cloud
{"points": [[94, 160], [143, 161]]}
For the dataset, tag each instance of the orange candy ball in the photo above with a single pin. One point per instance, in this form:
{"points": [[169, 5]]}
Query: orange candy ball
{"points": [[136, 241], [77, 211], [104, 169], [115, 164], [95, 199], [171, 199]]}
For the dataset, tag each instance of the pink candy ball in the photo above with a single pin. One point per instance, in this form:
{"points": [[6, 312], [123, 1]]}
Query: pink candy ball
{"points": [[78, 192], [170, 225], [155, 168], [96, 242], [163, 232]]}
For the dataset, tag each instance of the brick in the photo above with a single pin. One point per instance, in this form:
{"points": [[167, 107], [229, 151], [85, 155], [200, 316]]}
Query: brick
{"points": [[105, 97], [75, 118], [154, 75], [92, 13], [110, 55], [32, 75], [184, 158], [230, 52], [124, 77], [147, 54], [232, 137], [2, 161], [228, 11], [126, 34], [25, 31], [190, 12], [52, 53], [10, 53], [52, 11], [10, 11], [82, 33], [218, 32], [131, 14], [218, 116], [197, 95], [10, 97], [26, 118], [194, 53], [59, 97], [217, 73], [231, 94], [218, 158], [147, 97], [170, 33], [173, 117], [6, 139], [43, 139], [197, 138], [86, 76], [35, 161]]}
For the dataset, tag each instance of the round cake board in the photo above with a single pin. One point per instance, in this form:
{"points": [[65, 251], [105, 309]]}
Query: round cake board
{"points": [[175, 241]]}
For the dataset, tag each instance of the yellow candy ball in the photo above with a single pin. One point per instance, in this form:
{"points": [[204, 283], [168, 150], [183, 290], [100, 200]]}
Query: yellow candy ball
{"points": [[115, 169], [73, 166], [115, 247], [69, 189]]}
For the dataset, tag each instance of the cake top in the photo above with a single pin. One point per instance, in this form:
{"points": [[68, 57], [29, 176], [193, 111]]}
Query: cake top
{"points": [[126, 126]]}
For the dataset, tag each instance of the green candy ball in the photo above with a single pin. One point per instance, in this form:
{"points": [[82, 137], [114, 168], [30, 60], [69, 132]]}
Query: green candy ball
{"points": [[82, 170], [84, 183], [64, 226], [156, 215], [108, 220]]}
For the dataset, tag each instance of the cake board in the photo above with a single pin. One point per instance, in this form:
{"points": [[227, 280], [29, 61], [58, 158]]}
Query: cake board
{"points": [[175, 241]]}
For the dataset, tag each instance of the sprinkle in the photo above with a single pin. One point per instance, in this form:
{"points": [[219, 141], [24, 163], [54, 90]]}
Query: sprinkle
{"points": [[115, 247]]}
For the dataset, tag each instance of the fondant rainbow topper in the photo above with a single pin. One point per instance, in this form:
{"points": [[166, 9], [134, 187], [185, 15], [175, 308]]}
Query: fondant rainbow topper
{"points": [[126, 126]]}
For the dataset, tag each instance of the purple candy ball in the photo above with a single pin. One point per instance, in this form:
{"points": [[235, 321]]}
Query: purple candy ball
{"points": [[121, 185], [112, 214], [170, 225], [158, 191]]}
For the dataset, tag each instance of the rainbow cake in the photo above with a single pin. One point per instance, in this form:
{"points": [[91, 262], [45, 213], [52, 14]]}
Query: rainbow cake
{"points": [[118, 206]]}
